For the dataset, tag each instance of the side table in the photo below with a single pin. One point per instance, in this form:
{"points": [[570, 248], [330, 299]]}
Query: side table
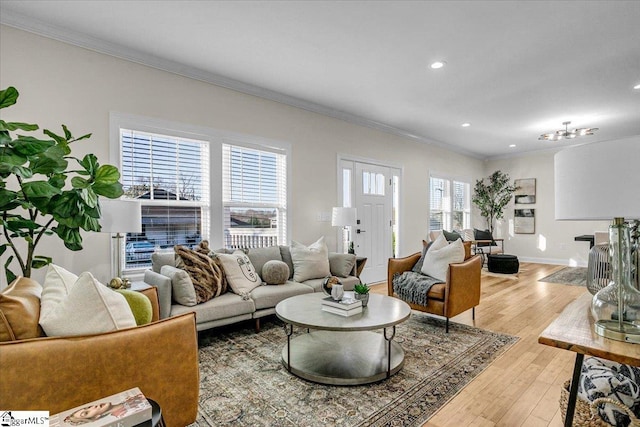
{"points": [[156, 416], [360, 263]]}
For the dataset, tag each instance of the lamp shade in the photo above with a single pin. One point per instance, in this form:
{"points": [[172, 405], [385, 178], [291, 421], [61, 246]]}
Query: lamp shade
{"points": [[121, 216], [598, 181], [343, 217]]}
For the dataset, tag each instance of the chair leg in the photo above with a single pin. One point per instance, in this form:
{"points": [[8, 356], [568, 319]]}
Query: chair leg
{"points": [[473, 313], [257, 325], [446, 328]]}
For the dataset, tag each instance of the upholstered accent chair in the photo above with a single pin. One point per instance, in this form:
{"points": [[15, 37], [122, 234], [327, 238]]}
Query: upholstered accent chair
{"points": [[459, 293]]}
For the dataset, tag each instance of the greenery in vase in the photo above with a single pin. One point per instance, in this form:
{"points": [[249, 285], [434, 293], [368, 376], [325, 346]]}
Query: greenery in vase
{"points": [[491, 195], [361, 288], [37, 198]]}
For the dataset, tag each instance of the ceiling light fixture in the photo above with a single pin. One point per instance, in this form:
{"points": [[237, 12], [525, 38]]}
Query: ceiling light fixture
{"points": [[438, 64], [637, 87], [466, 125], [566, 133], [512, 146]]}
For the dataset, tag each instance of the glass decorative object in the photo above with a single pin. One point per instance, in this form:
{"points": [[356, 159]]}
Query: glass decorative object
{"points": [[616, 307]]}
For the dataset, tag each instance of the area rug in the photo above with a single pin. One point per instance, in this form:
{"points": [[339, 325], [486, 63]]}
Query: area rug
{"points": [[576, 276], [243, 382]]}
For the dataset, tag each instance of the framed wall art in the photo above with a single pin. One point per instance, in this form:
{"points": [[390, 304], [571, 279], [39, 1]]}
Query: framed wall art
{"points": [[526, 192], [524, 221]]}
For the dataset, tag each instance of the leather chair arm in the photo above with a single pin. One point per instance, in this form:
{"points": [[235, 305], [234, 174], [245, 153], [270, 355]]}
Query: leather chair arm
{"points": [[399, 265], [463, 286], [59, 373]]}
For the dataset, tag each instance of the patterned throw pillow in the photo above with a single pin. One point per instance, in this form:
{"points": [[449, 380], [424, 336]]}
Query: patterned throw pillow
{"points": [[205, 272], [241, 275], [310, 262], [604, 378]]}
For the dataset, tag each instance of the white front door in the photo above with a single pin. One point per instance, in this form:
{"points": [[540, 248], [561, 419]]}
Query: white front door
{"points": [[372, 236]]}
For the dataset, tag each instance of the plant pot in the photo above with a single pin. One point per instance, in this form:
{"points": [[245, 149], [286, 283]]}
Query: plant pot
{"points": [[364, 298]]}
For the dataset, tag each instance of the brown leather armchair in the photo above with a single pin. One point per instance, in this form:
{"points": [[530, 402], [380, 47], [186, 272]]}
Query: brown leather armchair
{"points": [[58, 373], [460, 293]]}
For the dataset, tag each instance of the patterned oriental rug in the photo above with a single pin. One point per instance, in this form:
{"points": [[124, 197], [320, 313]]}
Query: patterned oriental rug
{"points": [[243, 382], [576, 276]]}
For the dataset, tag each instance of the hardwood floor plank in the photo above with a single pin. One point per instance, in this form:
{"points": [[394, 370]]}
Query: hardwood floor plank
{"points": [[522, 387]]}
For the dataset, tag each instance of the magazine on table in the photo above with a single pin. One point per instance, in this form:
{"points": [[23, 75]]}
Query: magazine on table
{"points": [[344, 303], [124, 409], [342, 312]]}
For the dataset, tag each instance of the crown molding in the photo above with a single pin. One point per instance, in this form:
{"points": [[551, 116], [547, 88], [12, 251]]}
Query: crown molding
{"points": [[25, 23]]}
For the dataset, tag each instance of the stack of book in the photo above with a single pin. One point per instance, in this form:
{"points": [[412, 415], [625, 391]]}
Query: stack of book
{"points": [[345, 307]]}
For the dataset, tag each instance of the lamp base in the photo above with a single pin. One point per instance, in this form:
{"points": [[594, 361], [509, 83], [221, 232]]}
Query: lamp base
{"points": [[611, 329]]}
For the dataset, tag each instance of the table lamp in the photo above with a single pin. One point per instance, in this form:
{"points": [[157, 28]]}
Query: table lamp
{"points": [[344, 217], [596, 182], [120, 216]]}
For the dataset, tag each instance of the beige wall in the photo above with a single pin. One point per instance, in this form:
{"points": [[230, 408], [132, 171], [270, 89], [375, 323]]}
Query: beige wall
{"points": [[553, 241], [60, 83]]}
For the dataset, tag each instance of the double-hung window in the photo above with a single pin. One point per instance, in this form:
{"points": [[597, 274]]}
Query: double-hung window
{"points": [[170, 177], [450, 204], [254, 196]]}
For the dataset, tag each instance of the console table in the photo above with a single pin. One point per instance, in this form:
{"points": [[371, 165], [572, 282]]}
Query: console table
{"points": [[573, 330]]}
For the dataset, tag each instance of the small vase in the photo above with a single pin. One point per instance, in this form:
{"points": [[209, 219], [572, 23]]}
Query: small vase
{"points": [[337, 291], [364, 298]]}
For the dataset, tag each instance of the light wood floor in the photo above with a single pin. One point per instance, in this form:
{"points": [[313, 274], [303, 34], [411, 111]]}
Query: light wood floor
{"points": [[522, 387]]}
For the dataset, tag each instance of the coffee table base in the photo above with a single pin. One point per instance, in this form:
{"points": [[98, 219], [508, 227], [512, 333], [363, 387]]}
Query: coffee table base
{"points": [[342, 358]]}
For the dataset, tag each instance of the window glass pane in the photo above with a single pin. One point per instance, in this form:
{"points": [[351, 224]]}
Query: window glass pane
{"points": [[346, 188], [254, 196], [380, 184], [366, 183], [157, 168]]}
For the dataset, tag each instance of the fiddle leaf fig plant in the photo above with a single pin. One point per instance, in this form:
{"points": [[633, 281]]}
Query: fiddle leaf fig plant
{"points": [[41, 193], [491, 195]]}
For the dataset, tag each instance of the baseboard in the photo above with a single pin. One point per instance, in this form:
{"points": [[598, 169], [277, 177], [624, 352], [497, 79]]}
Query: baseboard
{"points": [[554, 261]]}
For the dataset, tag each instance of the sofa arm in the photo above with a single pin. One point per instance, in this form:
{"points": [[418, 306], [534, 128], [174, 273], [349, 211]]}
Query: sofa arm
{"points": [[58, 373], [463, 286], [163, 283], [399, 265]]}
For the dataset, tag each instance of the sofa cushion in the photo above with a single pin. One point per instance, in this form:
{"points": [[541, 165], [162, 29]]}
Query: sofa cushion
{"points": [[160, 259], [260, 256], [285, 253], [139, 304], [88, 307], [310, 262], [225, 306], [417, 267], [275, 272], [205, 272], [347, 283], [56, 285], [240, 273], [182, 289], [20, 310], [341, 265], [440, 255], [269, 296]]}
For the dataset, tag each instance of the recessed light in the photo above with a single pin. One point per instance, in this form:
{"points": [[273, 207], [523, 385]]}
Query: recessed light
{"points": [[466, 125], [512, 146], [636, 87], [438, 64]]}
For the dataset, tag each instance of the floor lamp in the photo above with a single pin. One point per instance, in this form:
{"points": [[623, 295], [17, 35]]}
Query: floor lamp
{"points": [[120, 216], [596, 182], [344, 217]]}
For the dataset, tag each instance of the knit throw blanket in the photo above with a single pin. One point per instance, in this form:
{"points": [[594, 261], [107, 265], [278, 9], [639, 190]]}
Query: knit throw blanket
{"points": [[413, 287]]}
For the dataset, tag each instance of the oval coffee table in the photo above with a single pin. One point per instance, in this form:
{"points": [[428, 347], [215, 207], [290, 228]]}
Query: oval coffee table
{"points": [[342, 350]]}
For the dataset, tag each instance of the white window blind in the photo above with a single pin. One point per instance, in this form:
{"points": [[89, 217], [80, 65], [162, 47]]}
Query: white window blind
{"points": [[450, 207], [254, 197], [170, 176]]}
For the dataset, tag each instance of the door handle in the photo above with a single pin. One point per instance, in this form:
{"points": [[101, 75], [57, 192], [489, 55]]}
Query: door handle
{"points": [[358, 231]]}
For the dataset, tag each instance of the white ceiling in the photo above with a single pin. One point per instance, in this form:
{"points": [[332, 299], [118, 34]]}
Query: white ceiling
{"points": [[514, 69]]}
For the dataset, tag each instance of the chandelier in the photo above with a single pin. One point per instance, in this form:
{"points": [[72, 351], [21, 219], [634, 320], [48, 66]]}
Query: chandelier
{"points": [[566, 133]]}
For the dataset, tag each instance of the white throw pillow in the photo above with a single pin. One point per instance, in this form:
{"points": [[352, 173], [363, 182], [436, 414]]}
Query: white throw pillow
{"points": [[83, 307], [182, 288], [440, 255], [310, 262], [240, 274]]}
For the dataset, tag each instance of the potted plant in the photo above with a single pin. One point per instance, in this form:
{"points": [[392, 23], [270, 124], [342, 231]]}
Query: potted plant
{"points": [[361, 292], [42, 194], [491, 195]]}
